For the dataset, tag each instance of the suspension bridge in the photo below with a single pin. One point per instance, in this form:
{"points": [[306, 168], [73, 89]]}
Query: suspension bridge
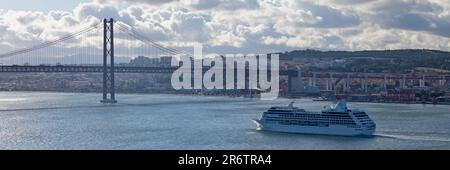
{"points": [[92, 49]]}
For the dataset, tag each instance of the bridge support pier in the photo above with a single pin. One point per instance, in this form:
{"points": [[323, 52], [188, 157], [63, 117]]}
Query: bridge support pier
{"points": [[108, 71], [327, 84], [422, 82], [403, 82], [314, 80], [442, 81], [364, 83], [347, 83], [289, 83], [330, 81]]}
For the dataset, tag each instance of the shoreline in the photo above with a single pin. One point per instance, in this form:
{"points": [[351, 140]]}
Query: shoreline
{"points": [[191, 94]]}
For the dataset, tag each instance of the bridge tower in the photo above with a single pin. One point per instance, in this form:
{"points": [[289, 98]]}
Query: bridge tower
{"points": [[108, 70]]}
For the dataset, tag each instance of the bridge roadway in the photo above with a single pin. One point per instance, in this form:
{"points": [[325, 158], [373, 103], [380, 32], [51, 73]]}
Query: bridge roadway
{"points": [[99, 69], [283, 72], [84, 69]]}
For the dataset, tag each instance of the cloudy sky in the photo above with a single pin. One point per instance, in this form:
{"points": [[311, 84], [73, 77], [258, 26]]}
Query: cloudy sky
{"points": [[229, 26]]}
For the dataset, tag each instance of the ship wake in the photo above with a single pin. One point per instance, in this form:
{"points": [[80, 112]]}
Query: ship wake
{"points": [[414, 137]]}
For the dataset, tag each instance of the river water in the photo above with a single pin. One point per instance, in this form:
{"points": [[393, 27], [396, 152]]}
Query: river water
{"points": [[35, 120]]}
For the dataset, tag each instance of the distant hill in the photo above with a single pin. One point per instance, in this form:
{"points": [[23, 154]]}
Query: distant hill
{"points": [[405, 53], [399, 61]]}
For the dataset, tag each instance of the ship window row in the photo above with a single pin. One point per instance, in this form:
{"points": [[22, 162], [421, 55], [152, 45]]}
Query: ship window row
{"points": [[302, 123], [295, 121], [335, 113], [363, 120], [344, 115], [303, 118], [299, 115], [307, 115], [313, 117], [331, 122], [309, 123], [342, 122], [336, 116]]}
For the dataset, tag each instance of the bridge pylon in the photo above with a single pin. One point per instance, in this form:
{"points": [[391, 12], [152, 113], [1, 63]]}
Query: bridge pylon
{"points": [[108, 70]]}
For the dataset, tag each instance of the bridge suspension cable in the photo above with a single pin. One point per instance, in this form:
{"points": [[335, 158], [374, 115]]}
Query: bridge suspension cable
{"points": [[86, 50], [50, 43], [134, 33]]}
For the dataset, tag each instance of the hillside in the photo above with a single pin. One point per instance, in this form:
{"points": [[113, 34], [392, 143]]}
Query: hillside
{"points": [[404, 53], [401, 61]]}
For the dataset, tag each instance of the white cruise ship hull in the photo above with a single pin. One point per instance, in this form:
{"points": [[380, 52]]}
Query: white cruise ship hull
{"points": [[329, 130]]}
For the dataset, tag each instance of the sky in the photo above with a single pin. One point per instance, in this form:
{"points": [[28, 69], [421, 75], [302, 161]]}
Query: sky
{"points": [[40, 5], [246, 26]]}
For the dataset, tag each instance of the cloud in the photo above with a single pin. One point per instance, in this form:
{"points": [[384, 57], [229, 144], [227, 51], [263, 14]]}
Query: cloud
{"points": [[86, 10], [204, 4], [222, 4], [250, 25], [412, 15], [156, 2]]}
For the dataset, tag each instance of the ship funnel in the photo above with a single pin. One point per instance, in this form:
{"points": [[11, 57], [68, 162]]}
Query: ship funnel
{"points": [[340, 106]]}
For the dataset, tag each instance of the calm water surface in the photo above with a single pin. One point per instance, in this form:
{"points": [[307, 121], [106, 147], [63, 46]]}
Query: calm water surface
{"points": [[31, 120]]}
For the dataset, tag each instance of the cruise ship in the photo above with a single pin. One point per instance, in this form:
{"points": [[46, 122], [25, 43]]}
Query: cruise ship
{"points": [[333, 120]]}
